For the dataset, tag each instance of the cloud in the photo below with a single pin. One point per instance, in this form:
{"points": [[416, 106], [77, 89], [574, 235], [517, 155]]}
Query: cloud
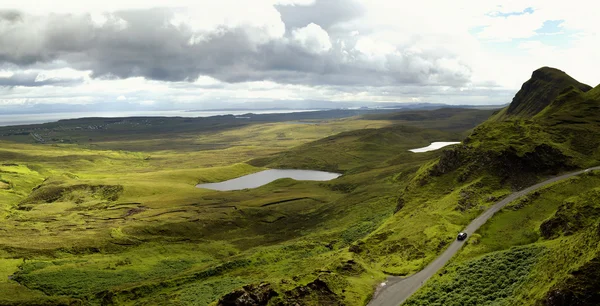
{"points": [[169, 44], [325, 13], [34, 78], [187, 51], [312, 38], [78, 7]]}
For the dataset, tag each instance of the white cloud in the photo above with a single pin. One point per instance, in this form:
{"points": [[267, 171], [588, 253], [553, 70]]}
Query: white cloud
{"points": [[6, 74], [147, 102], [62, 74], [458, 38], [68, 6], [313, 38], [512, 27], [205, 80], [374, 48], [100, 20]]}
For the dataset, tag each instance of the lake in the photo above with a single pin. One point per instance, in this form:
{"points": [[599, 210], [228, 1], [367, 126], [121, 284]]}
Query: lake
{"points": [[264, 177], [433, 146]]}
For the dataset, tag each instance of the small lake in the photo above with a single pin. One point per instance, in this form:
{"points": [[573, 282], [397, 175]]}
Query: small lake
{"points": [[258, 179], [433, 146]]}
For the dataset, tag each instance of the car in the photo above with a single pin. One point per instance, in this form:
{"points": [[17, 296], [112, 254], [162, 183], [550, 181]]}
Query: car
{"points": [[461, 236]]}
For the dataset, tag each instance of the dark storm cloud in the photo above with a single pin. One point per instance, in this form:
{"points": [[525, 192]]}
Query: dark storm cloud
{"points": [[145, 43], [9, 16]]}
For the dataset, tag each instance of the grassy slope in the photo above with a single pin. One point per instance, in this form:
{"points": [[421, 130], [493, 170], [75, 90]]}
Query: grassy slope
{"points": [[358, 150], [559, 223], [122, 226], [508, 153], [447, 119], [541, 90], [164, 242]]}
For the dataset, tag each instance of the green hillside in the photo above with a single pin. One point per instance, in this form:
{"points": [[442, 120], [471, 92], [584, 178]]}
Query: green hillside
{"points": [[358, 150], [100, 216], [114, 217], [551, 235], [545, 85]]}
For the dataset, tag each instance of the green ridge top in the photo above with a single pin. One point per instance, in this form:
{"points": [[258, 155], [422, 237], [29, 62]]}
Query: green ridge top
{"points": [[545, 85]]}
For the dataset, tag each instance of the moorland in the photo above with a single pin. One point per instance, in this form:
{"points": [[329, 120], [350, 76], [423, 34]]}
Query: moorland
{"points": [[103, 211]]}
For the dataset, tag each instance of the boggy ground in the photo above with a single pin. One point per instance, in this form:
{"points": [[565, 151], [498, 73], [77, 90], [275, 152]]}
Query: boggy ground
{"points": [[118, 220]]}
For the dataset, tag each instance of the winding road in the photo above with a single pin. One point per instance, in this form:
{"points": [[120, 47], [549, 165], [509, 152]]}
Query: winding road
{"points": [[398, 289]]}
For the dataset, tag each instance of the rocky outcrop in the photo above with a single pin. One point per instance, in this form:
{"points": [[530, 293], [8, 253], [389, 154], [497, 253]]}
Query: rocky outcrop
{"points": [[314, 293], [400, 203], [581, 288], [508, 164], [250, 295], [569, 218], [349, 267]]}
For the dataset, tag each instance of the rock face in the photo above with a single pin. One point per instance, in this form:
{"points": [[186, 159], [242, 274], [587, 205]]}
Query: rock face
{"points": [[314, 293], [508, 163], [582, 288], [250, 295], [545, 85], [570, 218]]}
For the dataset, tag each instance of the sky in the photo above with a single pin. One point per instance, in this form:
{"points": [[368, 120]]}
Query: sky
{"points": [[182, 54]]}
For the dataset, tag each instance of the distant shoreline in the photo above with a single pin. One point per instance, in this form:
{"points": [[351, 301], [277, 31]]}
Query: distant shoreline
{"points": [[26, 119]]}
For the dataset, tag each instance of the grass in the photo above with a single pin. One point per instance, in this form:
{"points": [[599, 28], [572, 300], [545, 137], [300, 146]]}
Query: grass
{"points": [[491, 279], [502, 155], [482, 265], [117, 218]]}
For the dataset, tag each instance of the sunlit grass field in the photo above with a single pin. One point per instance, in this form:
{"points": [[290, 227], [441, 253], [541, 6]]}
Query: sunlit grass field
{"points": [[102, 222], [118, 219]]}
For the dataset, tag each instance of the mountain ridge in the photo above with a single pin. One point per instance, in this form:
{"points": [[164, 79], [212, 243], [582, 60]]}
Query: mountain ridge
{"points": [[544, 86]]}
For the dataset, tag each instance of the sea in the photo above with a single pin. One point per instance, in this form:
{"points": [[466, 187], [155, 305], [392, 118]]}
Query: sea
{"points": [[22, 119]]}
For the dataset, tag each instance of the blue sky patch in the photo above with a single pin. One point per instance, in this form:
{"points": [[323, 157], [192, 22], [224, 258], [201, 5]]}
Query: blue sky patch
{"points": [[550, 27], [528, 10]]}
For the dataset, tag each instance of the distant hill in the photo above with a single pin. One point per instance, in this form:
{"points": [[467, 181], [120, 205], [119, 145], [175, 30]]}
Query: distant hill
{"points": [[367, 147], [445, 119]]}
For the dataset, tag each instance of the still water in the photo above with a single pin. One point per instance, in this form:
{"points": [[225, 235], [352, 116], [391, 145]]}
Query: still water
{"points": [[19, 119], [264, 177], [433, 146]]}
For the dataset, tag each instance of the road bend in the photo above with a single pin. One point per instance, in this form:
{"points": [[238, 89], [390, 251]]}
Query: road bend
{"points": [[397, 290]]}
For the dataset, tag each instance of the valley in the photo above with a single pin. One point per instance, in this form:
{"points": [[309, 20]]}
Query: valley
{"points": [[99, 223], [112, 216]]}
